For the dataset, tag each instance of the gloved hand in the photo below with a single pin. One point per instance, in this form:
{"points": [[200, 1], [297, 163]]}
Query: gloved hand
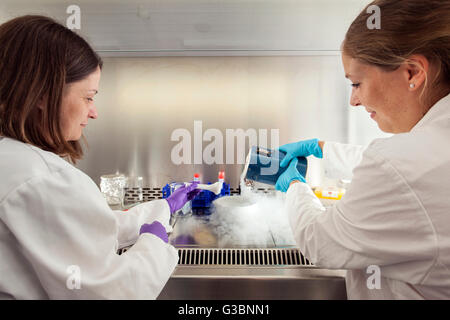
{"points": [[288, 176], [182, 195], [303, 148], [155, 228]]}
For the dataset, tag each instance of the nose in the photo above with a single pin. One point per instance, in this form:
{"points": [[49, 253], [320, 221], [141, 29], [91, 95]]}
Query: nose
{"points": [[93, 112], [354, 100]]}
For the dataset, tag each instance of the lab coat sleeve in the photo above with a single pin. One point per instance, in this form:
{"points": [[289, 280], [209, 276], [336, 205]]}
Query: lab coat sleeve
{"points": [[379, 222], [67, 232], [340, 159], [130, 221]]}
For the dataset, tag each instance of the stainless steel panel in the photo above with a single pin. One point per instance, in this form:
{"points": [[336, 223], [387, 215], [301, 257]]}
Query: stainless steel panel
{"points": [[141, 102], [212, 283], [179, 25]]}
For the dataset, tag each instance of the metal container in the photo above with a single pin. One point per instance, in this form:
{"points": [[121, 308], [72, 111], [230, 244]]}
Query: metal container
{"points": [[263, 165]]}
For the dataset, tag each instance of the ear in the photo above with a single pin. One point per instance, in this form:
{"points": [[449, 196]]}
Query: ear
{"points": [[417, 67]]}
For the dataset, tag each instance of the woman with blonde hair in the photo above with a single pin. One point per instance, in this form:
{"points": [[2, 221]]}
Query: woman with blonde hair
{"points": [[391, 230]]}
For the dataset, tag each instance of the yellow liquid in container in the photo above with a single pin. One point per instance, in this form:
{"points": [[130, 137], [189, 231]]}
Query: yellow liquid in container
{"points": [[331, 193]]}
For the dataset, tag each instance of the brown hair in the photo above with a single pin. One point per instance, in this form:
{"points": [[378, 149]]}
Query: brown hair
{"points": [[38, 58], [407, 27]]}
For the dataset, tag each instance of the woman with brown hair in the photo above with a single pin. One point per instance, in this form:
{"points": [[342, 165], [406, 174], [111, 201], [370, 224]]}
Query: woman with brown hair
{"points": [[391, 230], [58, 237]]}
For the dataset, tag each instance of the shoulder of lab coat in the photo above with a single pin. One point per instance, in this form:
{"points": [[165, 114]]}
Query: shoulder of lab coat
{"points": [[340, 159], [380, 221], [59, 218], [130, 221], [393, 215]]}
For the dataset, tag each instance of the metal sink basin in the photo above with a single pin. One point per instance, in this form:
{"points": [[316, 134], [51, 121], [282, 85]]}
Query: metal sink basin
{"points": [[251, 274]]}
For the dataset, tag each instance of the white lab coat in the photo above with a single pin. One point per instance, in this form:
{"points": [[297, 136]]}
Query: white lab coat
{"points": [[59, 238], [395, 214]]}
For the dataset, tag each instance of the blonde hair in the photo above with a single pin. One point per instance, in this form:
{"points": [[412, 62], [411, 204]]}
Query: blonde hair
{"points": [[408, 27]]}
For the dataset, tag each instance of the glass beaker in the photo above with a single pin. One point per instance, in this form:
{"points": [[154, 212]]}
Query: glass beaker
{"points": [[112, 186]]}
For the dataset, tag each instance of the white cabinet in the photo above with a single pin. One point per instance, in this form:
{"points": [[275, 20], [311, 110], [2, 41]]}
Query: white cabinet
{"points": [[204, 27]]}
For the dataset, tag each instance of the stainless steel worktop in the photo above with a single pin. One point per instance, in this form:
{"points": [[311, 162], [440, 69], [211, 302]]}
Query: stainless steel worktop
{"points": [[254, 283], [271, 270], [215, 264]]}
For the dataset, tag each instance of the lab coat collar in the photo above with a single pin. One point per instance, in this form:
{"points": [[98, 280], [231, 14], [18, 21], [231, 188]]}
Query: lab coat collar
{"points": [[440, 110]]}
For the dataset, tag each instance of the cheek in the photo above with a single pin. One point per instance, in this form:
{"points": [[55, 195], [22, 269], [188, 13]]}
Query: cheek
{"points": [[71, 116], [374, 95], [390, 89], [65, 115]]}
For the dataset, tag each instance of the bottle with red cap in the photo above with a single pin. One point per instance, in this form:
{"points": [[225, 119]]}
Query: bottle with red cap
{"points": [[221, 176]]}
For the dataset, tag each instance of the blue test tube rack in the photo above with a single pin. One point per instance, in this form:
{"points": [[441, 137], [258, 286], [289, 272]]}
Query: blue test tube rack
{"points": [[201, 204]]}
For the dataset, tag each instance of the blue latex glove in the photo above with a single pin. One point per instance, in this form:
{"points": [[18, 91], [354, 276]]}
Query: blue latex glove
{"points": [[182, 195], [303, 148], [155, 228], [288, 176]]}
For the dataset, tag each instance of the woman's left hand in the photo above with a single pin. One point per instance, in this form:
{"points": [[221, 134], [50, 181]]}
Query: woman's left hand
{"points": [[291, 174]]}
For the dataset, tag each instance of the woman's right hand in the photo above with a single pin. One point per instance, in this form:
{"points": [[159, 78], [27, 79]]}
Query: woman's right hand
{"points": [[302, 148], [155, 228]]}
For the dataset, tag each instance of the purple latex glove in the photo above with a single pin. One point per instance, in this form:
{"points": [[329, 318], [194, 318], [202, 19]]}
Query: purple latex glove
{"points": [[184, 239], [182, 195], [155, 228]]}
